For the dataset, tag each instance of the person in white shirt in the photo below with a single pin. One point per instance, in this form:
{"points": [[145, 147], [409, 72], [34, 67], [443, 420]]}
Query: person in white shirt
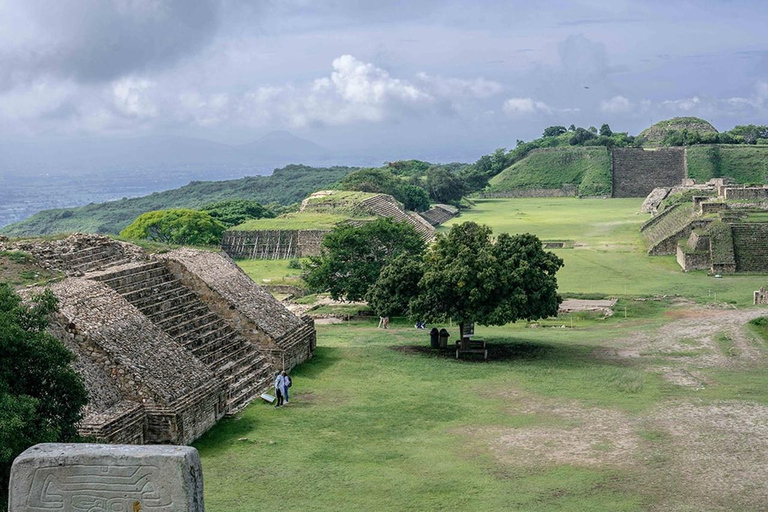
{"points": [[279, 386]]}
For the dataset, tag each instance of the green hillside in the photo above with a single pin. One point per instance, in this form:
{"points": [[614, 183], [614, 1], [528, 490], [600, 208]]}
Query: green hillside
{"points": [[657, 134], [743, 163], [285, 186], [588, 168]]}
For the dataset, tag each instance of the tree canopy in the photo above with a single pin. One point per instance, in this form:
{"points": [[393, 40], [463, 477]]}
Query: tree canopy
{"points": [[468, 277], [352, 257], [236, 211], [41, 396], [383, 181], [178, 226]]}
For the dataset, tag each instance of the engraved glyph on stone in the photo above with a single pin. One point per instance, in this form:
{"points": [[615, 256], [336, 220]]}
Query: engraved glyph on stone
{"points": [[106, 478]]}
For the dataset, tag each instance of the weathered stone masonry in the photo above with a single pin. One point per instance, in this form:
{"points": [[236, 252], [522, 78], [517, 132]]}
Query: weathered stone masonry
{"points": [[273, 244], [636, 172], [170, 344]]}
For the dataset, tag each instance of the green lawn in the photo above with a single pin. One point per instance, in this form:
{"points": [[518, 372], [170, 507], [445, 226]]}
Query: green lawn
{"points": [[371, 428], [609, 256], [378, 423]]}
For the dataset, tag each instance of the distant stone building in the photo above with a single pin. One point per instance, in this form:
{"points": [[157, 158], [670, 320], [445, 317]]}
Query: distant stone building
{"points": [[356, 208], [167, 344]]}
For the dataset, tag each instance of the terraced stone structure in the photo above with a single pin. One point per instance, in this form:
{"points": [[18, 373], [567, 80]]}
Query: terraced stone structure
{"points": [[168, 344], [281, 238], [712, 232]]}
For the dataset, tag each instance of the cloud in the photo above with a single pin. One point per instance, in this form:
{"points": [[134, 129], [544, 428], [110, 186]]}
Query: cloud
{"points": [[101, 40], [685, 104], [616, 105], [524, 106], [456, 88]]}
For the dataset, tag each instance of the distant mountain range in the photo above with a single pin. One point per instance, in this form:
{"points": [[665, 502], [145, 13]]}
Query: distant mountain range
{"points": [[261, 156]]}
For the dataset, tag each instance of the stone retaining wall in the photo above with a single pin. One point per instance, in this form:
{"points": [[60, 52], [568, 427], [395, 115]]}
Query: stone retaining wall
{"points": [[636, 172], [565, 191], [273, 244], [750, 246]]}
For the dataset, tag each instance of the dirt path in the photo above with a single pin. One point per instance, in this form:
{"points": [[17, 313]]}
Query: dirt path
{"points": [[684, 454]]}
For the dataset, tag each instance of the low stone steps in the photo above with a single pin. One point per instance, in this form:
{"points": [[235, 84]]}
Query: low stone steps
{"points": [[181, 316], [177, 331]]}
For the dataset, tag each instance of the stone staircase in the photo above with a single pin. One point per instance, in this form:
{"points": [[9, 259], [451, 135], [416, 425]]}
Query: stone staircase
{"points": [[184, 316], [87, 259], [439, 214], [383, 206]]}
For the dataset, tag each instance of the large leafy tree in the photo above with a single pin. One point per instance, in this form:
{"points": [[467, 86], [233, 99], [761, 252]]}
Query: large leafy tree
{"points": [[41, 396], [396, 285], [444, 186], [352, 257], [470, 278], [178, 226]]}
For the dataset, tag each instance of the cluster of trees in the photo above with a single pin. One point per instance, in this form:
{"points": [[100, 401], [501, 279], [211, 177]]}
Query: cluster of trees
{"points": [[412, 182], [184, 226], [465, 275], [41, 396], [741, 134]]}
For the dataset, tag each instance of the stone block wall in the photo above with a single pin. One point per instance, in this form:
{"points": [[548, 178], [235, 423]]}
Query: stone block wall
{"points": [[636, 172], [273, 244], [692, 260], [708, 207], [761, 296], [565, 191], [745, 194], [750, 246]]}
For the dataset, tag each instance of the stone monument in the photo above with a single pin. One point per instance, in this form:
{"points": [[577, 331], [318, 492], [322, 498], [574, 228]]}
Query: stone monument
{"points": [[106, 478]]}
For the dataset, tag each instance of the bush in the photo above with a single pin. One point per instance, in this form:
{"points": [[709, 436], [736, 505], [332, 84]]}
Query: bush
{"points": [[180, 226]]}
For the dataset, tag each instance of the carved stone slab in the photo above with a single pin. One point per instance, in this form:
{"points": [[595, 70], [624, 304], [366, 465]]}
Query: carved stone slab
{"points": [[106, 478]]}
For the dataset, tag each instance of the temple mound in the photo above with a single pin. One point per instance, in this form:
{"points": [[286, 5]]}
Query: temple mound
{"points": [[167, 344], [300, 234]]}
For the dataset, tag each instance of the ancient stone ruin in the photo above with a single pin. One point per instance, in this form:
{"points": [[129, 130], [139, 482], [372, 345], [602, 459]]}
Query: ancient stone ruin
{"points": [[721, 228], [636, 172], [169, 343], [347, 207], [761, 296], [97, 477]]}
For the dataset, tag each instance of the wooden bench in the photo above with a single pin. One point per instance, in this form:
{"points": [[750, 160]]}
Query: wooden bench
{"points": [[475, 347]]}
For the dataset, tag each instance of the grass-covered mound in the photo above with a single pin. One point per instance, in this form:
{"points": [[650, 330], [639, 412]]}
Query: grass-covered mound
{"points": [[742, 163], [657, 133], [588, 168], [285, 186], [298, 220]]}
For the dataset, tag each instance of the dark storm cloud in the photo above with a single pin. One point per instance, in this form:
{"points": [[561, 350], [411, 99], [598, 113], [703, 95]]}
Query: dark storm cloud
{"points": [[97, 40]]}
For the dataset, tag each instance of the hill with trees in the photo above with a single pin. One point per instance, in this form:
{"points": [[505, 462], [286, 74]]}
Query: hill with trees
{"points": [[285, 186]]}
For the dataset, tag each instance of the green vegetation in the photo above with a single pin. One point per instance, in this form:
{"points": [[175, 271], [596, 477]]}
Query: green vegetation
{"points": [[352, 257], [383, 181], [760, 327], [470, 279], [558, 420], [236, 211], [41, 396], [609, 256], [285, 186], [742, 163], [180, 226], [298, 220], [589, 169]]}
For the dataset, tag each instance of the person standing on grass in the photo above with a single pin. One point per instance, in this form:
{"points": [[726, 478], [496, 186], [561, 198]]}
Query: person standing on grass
{"points": [[279, 386], [286, 384]]}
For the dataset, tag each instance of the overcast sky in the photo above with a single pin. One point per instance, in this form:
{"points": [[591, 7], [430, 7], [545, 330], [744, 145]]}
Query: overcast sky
{"points": [[410, 77]]}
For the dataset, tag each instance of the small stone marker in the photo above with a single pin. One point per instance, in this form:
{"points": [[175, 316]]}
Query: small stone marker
{"points": [[108, 478]]}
